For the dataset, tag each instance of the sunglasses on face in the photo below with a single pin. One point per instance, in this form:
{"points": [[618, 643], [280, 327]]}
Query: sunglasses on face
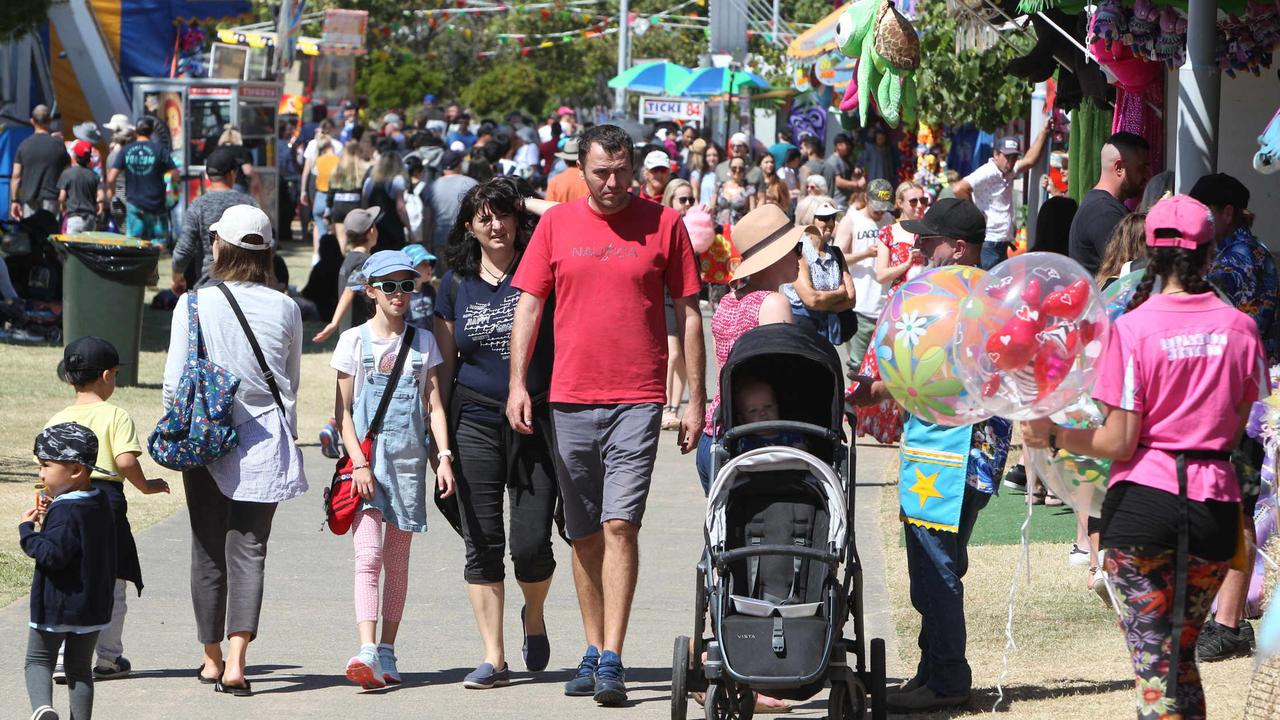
{"points": [[738, 168], [684, 200], [917, 201], [390, 287]]}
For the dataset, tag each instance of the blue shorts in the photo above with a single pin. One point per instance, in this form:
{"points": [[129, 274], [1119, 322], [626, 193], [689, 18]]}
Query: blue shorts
{"points": [[147, 225]]}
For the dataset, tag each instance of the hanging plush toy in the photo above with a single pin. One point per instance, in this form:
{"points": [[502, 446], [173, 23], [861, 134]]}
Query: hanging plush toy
{"points": [[1143, 28], [888, 53], [1109, 22], [1267, 159], [1171, 43]]}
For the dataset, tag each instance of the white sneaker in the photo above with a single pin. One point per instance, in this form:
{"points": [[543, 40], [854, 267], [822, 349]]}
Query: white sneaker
{"points": [[365, 670], [387, 659], [60, 674], [44, 712], [1077, 556]]}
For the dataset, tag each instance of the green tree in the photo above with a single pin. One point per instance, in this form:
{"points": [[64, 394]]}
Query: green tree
{"points": [[18, 17], [967, 86]]}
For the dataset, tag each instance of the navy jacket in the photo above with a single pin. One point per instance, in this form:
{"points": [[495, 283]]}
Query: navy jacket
{"points": [[75, 556]]}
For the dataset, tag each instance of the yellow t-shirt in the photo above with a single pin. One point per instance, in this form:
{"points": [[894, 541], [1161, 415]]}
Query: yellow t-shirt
{"points": [[114, 429], [324, 167]]}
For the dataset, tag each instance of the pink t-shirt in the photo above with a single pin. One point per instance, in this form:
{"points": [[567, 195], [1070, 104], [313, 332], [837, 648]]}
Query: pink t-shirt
{"points": [[608, 274], [1185, 363]]}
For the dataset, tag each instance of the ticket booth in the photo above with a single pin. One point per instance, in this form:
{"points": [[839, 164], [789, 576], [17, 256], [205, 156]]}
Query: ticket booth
{"points": [[193, 114]]}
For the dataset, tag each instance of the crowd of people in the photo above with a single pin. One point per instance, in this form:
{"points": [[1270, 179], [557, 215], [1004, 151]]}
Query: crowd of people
{"points": [[466, 269]]}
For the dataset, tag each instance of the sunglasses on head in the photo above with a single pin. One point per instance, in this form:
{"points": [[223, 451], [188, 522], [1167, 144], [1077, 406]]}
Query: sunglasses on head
{"points": [[390, 287], [923, 200]]}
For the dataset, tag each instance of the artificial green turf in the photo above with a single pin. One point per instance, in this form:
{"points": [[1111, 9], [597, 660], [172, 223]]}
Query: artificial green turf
{"points": [[1000, 523]]}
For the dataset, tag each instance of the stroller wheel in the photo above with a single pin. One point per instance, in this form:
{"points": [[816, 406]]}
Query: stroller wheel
{"points": [[843, 704], [680, 679], [730, 702]]}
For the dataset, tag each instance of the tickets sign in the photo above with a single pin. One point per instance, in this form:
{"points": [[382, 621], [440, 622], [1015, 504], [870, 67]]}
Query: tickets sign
{"points": [[674, 109]]}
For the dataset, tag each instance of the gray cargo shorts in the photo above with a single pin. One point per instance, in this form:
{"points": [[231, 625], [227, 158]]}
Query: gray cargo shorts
{"points": [[604, 462]]}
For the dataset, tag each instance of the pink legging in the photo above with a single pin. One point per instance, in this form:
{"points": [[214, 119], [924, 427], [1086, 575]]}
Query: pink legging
{"points": [[375, 554]]}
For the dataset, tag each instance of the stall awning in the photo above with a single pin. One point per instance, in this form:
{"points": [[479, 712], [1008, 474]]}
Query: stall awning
{"points": [[817, 40]]}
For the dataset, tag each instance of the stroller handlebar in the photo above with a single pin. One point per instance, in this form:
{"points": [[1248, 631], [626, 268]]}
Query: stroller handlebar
{"points": [[722, 560], [775, 426]]}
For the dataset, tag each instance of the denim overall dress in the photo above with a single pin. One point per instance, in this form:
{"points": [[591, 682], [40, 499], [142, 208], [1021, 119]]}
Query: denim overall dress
{"points": [[399, 459]]}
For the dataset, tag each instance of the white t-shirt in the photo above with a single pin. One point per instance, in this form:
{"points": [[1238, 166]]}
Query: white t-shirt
{"points": [[310, 152], [993, 194], [859, 233], [346, 356]]}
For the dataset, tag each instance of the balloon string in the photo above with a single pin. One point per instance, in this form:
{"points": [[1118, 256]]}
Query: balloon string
{"points": [[1024, 560]]}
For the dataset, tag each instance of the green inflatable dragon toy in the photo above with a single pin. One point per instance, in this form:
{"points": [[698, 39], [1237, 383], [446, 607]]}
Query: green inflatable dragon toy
{"points": [[887, 49]]}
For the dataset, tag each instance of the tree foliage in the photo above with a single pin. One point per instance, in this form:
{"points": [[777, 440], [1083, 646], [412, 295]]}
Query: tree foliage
{"points": [[18, 17], [969, 86]]}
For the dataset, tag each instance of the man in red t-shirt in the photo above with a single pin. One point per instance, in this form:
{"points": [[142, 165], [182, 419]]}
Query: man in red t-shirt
{"points": [[607, 259]]}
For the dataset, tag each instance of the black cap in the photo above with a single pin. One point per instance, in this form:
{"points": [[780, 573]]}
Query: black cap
{"points": [[220, 162], [953, 218], [450, 160], [1220, 190], [90, 353], [146, 125], [69, 442], [350, 105]]}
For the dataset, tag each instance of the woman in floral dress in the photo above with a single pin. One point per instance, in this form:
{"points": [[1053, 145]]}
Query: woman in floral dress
{"points": [[897, 260]]}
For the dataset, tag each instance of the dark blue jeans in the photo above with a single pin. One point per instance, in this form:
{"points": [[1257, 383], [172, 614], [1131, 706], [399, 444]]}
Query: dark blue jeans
{"points": [[936, 564], [994, 253], [702, 460]]}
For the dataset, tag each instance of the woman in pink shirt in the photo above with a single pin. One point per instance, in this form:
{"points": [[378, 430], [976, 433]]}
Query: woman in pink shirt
{"points": [[1177, 378]]}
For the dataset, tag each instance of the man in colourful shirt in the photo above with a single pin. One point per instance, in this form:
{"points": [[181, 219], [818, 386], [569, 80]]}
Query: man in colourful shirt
{"points": [[1244, 271], [948, 476]]}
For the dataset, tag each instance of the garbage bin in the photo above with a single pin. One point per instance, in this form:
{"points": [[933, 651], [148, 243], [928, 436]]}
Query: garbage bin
{"points": [[104, 278]]}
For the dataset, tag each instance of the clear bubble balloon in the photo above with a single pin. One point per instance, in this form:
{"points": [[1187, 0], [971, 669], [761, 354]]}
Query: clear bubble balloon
{"points": [[913, 341], [1119, 293], [1029, 336]]}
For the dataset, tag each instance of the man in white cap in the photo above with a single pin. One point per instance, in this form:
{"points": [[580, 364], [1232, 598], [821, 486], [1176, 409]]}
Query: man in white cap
{"points": [[657, 173], [740, 147], [568, 185], [990, 187]]}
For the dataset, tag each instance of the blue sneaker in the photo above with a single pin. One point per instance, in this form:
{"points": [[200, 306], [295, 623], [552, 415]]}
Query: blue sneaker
{"points": [[583, 683], [485, 677], [611, 680]]}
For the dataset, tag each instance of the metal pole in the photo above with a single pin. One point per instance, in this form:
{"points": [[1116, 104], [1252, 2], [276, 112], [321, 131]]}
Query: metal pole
{"points": [[1032, 180], [775, 21], [1199, 90], [624, 40]]}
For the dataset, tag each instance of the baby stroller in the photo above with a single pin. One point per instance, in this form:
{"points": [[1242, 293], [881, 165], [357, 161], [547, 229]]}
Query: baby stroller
{"points": [[778, 532]]}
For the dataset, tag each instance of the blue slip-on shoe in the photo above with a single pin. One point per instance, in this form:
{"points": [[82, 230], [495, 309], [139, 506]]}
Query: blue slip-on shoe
{"points": [[611, 680], [485, 677], [583, 683], [536, 650]]}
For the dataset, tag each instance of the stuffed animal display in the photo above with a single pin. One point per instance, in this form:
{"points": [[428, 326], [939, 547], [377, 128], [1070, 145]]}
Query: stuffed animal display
{"points": [[887, 49]]}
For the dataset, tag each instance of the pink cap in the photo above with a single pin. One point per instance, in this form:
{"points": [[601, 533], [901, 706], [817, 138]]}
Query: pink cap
{"points": [[1179, 221], [565, 110], [82, 148]]}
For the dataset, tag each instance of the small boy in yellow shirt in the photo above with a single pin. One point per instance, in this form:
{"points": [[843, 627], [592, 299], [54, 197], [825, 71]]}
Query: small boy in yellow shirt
{"points": [[89, 364]]}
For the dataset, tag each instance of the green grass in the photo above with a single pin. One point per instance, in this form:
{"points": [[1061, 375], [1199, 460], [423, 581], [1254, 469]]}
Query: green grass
{"points": [[30, 393], [1000, 523]]}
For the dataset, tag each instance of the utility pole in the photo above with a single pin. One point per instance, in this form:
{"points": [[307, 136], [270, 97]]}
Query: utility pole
{"points": [[624, 42]]}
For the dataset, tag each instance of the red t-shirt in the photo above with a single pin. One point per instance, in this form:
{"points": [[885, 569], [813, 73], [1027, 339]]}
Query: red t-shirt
{"points": [[608, 274]]}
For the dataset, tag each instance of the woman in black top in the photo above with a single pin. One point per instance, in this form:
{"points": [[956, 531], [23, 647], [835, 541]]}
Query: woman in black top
{"points": [[384, 189], [475, 308]]}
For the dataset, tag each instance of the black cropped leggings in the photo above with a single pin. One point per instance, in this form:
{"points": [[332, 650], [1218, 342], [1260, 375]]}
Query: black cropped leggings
{"points": [[483, 476]]}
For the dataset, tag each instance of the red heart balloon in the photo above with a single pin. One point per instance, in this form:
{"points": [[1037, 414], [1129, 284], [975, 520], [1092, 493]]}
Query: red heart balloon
{"points": [[1067, 303], [1014, 345]]}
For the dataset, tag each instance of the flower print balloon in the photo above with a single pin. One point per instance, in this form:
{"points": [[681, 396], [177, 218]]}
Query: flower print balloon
{"points": [[913, 346]]}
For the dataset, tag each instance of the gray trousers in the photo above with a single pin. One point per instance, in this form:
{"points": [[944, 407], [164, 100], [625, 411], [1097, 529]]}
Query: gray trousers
{"points": [[42, 653], [228, 558]]}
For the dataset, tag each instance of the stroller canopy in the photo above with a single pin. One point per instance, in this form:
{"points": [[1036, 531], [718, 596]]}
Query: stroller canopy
{"points": [[773, 459], [802, 367]]}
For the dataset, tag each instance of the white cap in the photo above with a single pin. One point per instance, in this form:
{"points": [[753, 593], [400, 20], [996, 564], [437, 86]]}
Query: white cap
{"points": [[458, 146], [826, 209], [240, 221], [657, 159], [118, 123], [740, 138]]}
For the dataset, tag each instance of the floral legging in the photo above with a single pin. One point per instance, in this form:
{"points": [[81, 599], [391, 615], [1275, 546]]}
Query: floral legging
{"points": [[1144, 584]]}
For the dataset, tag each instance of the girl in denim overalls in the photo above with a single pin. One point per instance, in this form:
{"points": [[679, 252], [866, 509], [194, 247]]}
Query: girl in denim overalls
{"points": [[391, 483]]}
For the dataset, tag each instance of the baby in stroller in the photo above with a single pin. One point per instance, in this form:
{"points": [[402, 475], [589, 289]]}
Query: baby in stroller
{"points": [[754, 400]]}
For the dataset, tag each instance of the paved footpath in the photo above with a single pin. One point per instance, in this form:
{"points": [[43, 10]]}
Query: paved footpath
{"points": [[307, 632]]}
